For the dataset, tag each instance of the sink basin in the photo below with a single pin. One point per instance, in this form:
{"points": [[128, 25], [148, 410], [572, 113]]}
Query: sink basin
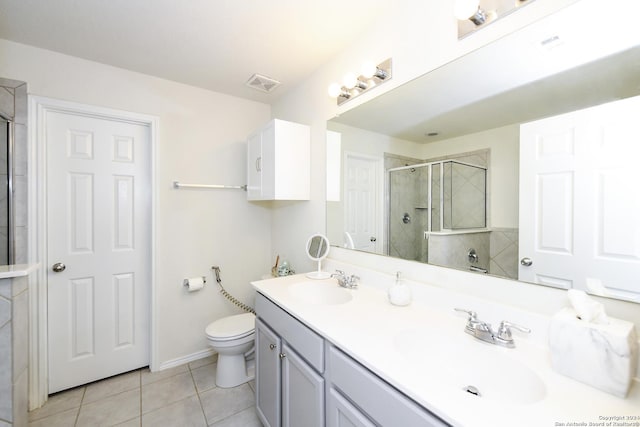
{"points": [[322, 292], [460, 361]]}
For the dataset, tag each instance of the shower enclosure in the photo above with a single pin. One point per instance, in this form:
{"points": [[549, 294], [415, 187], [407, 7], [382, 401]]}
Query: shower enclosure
{"points": [[437, 198], [6, 191]]}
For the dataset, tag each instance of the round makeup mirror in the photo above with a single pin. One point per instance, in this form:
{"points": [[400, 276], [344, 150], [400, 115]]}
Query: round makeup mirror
{"points": [[317, 250]]}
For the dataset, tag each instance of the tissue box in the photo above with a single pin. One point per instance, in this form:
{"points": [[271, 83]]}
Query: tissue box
{"points": [[602, 356]]}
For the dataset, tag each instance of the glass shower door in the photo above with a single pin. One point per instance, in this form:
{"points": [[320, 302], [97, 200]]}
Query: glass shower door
{"points": [[6, 252]]}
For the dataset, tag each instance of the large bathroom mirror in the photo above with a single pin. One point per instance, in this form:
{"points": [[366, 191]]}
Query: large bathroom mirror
{"points": [[430, 171]]}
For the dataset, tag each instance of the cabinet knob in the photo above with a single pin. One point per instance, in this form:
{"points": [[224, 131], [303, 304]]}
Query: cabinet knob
{"points": [[272, 346], [282, 355]]}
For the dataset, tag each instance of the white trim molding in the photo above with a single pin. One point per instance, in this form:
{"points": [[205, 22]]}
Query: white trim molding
{"points": [[37, 226]]}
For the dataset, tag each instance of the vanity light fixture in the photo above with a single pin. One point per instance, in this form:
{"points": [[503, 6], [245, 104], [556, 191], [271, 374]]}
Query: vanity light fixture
{"points": [[474, 14], [371, 75], [471, 10]]}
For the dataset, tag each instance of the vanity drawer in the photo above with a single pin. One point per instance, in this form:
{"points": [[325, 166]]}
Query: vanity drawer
{"points": [[306, 343], [382, 403]]}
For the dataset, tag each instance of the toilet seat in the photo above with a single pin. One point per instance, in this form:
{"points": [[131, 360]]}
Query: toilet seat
{"points": [[231, 327]]}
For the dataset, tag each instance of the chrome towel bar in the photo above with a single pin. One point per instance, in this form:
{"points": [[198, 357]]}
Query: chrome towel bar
{"points": [[177, 184]]}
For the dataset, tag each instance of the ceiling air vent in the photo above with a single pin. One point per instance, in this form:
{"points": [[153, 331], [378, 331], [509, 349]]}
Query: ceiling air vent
{"points": [[262, 83]]}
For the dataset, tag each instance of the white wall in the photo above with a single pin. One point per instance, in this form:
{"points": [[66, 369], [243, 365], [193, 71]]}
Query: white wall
{"points": [[201, 140]]}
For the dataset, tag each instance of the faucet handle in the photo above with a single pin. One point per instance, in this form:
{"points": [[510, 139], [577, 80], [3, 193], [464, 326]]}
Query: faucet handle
{"points": [[352, 281], [473, 316], [504, 331], [339, 274]]}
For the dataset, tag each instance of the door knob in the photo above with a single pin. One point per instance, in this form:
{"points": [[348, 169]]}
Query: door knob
{"points": [[526, 262], [58, 267], [372, 239]]}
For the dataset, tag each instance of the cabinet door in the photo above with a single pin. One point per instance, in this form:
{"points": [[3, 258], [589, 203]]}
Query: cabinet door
{"points": [[268, 164], [341, 413], [268, 371], [302, 392], [367, 391], [254, 167]]}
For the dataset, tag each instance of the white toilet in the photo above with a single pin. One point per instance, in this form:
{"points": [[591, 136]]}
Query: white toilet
{"points": [[232, 338]]}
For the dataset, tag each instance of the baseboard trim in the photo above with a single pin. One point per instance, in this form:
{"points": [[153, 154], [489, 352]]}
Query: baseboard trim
{"points": [[185, 359]]}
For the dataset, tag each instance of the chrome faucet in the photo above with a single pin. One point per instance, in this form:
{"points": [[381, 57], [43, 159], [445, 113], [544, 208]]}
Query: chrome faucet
{"points": [[483, 331], [349, 282]]}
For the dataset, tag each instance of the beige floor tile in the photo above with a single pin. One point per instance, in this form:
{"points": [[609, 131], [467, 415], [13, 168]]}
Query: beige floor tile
{"points": [[111, 410], [59, 402], [163, 393], [149, 377], [62, 419], [111, 386], [187, 412], [220, 403], [246, 418], [204, 377], [135, 422], [204, 361]]}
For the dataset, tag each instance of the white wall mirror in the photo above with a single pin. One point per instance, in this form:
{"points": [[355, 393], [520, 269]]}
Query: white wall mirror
{"points": [[317, 250], [470, 112]]}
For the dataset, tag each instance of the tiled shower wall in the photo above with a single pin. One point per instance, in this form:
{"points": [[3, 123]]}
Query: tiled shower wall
{"points": [[14, 293], [504, 252], [452, 250], [465, 189], [13, 103], [14, 351]]}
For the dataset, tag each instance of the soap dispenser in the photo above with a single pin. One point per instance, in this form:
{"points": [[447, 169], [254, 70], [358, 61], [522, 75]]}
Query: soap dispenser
{"points": [[399, 293]]}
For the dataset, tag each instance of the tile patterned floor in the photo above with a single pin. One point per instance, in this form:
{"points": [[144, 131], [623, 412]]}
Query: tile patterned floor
{"points": [[182, 396]]}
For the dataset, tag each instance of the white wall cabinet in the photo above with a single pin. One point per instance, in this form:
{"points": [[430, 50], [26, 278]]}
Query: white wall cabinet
{"points": [[294, 376], [289, 365], [279, 162]]}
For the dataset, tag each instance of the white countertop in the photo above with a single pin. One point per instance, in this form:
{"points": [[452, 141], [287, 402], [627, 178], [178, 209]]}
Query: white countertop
{"points": [[407, 347], [16, 270]]}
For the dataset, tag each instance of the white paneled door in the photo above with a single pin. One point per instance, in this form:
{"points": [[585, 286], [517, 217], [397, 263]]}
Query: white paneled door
{"points": [[98, 247], [362, 201], [579, 202]]}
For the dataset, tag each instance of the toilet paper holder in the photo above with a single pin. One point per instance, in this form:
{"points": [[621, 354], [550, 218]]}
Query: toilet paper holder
{"points": [[185, 282]]}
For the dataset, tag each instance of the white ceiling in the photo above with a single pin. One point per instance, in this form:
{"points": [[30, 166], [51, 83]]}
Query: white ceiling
{"points": [[213, 44]]}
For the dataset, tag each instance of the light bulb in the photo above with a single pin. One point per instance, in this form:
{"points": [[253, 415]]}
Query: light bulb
{"points": [[334, 90], [368, 69], [349, 80], [465, 9]]}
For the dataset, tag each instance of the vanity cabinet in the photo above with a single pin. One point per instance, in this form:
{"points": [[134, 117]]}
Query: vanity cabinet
{"points": [[297, 370], [279, 162], [359, 398], [289, 367]]}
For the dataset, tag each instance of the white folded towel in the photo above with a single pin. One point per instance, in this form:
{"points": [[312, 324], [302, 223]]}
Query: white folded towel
{"points": [[586, 308]]}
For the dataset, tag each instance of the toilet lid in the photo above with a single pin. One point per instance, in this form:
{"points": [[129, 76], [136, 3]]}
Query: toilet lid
{"points": [[235, 326]]}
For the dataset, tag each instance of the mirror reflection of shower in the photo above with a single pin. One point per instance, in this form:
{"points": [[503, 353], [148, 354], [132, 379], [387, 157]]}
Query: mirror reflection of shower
{"points": [[445, 197], [6, 191]]}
